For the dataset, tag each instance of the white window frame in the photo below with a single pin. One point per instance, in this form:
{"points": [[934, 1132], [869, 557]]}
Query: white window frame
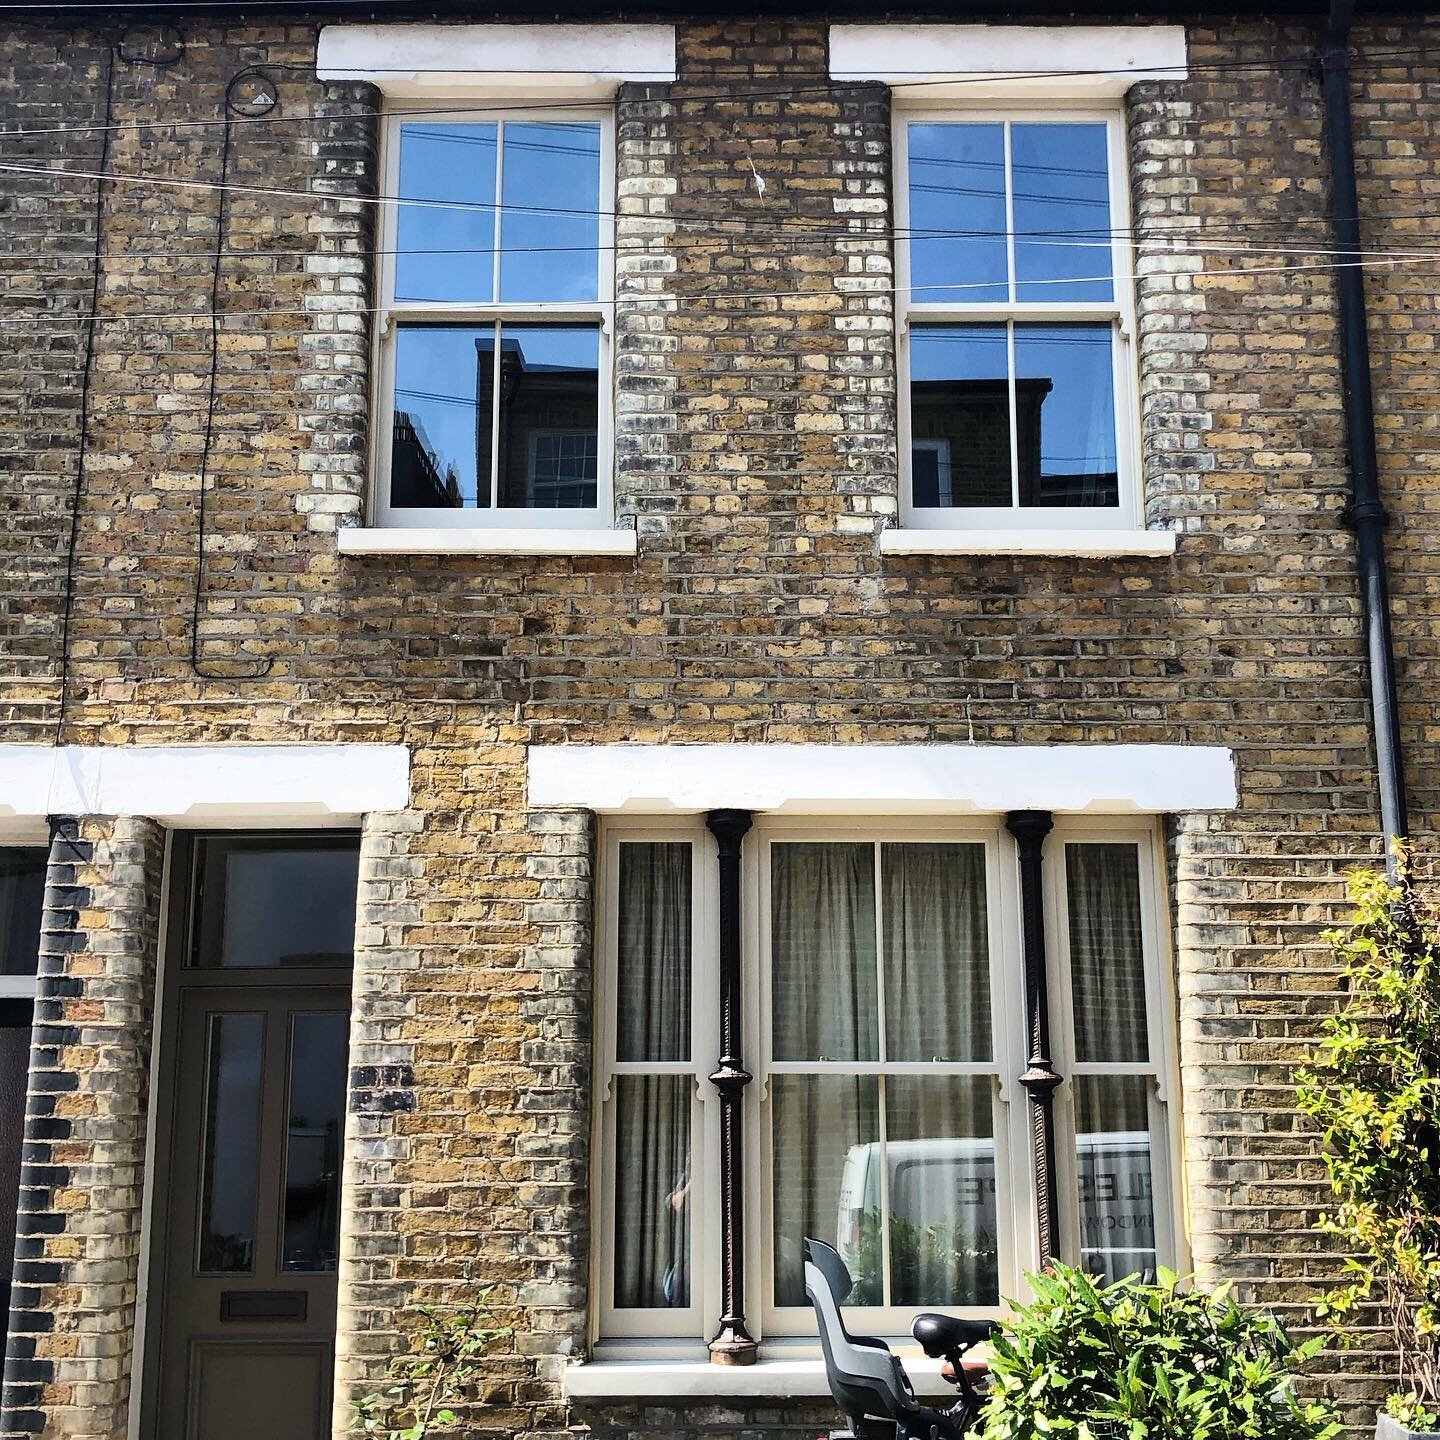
{"points": [[790, 1331], [1128, 515], [390, 314]]}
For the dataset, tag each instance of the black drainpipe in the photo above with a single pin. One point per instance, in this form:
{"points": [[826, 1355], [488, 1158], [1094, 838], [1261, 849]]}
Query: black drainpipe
{"points": [[1365, 513]]}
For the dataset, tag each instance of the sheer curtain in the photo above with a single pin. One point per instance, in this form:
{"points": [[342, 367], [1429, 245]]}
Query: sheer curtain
{"points": [[822, 952], [830, 1178], [652, 1111], [1112, 1111], [937, 953]]}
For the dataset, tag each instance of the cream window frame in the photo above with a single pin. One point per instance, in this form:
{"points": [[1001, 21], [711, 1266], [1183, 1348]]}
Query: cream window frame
{"points": [[1162, 1019], [392, 313], [784, 1332], [1009, 1119], [1119, 313], [673, 1332]]}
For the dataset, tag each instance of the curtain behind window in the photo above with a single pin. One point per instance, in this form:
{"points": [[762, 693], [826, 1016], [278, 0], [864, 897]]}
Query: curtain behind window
{"points": [[1114, 1144], [830, 1177], [652, 1112]]}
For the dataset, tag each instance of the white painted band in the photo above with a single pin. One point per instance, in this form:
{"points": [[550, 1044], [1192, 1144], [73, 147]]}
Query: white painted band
{"points": [[204, 785], [998, 62], [883, 779], [464, 61]]}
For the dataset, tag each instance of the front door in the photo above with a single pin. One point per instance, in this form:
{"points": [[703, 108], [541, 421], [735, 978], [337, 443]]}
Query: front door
{"points": [[245, 1245]]}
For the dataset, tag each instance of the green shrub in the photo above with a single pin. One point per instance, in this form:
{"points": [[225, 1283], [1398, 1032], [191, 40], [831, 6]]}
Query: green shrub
{"points": [[1374, 1089], [1135, 1361]]}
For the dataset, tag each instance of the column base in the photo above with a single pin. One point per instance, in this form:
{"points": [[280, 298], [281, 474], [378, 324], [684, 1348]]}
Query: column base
{"points": [[732, 1346]]}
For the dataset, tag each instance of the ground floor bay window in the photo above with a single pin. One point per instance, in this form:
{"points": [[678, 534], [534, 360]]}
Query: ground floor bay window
{"points": [[886, 1022]]}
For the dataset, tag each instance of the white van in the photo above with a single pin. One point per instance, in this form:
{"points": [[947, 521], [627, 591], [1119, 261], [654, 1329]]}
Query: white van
{"points": [[946, 1188]]}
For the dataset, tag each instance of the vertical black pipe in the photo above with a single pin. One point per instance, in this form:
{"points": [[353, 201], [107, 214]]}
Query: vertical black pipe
{"points": [[1365, 513], [733, 1343], [1030, 827]]}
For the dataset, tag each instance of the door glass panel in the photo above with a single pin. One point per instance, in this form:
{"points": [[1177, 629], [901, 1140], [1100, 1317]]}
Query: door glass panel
{"points": [[235, 1047], [263, 905], [22, 898], [823, 987], [940, 1147], [652, 1205], [314, 1124], [1117, 1193]]}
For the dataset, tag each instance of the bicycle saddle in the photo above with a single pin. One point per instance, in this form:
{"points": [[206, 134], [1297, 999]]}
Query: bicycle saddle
{"points": [[941, 1335]]}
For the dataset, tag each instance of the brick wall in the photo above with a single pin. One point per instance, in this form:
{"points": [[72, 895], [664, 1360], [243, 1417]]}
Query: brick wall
{"points": [[756, 453], [69, 1360]]}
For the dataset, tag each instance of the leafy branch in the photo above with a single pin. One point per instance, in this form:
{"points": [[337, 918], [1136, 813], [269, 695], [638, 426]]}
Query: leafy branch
{"points": [[1374, 1089], [433, 1377]]}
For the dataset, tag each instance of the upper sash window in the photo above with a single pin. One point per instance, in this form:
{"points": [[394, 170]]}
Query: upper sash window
{"points": [[494, 361], [1016, 311]]}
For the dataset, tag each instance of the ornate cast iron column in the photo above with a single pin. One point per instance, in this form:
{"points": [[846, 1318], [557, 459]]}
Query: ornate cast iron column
{"points": [[733, 1343], [1030, 827]]}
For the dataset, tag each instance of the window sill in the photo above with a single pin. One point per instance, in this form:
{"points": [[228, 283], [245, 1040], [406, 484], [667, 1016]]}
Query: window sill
{"points": [[699, 1380], [1076, 544], [484, 540]]}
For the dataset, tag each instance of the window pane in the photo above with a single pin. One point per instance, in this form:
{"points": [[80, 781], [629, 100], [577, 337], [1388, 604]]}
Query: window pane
{"points": [[1117, 1204], [939, 1142], [235, 1050], [1061, 182], [826, 1178], [937, 953], [1107, 953], [550, 252], [652, 1191], [1065, 413], [265, 905], [549, 416], [957, 214], [444, 416], [654, 982], [22, 902], [315, 1119], [14, 1081], [960, 415], [822, 958], [446, 250]]}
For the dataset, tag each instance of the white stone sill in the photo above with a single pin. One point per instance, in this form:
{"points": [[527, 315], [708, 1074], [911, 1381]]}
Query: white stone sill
{"points": [[698, 1380], [484, 540], [1076, 544]]}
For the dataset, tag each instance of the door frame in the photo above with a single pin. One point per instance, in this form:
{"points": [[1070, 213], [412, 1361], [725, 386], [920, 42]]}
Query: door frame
{"points": [[175, 975]]}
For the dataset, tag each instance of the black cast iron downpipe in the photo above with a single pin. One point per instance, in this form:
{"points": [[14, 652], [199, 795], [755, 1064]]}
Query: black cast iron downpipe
{"points": [[1365, 514]]}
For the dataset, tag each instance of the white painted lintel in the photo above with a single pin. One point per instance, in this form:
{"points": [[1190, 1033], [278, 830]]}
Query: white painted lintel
{"points": [[203, 786], [534, 62], [976, 63], [883, 779]]}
